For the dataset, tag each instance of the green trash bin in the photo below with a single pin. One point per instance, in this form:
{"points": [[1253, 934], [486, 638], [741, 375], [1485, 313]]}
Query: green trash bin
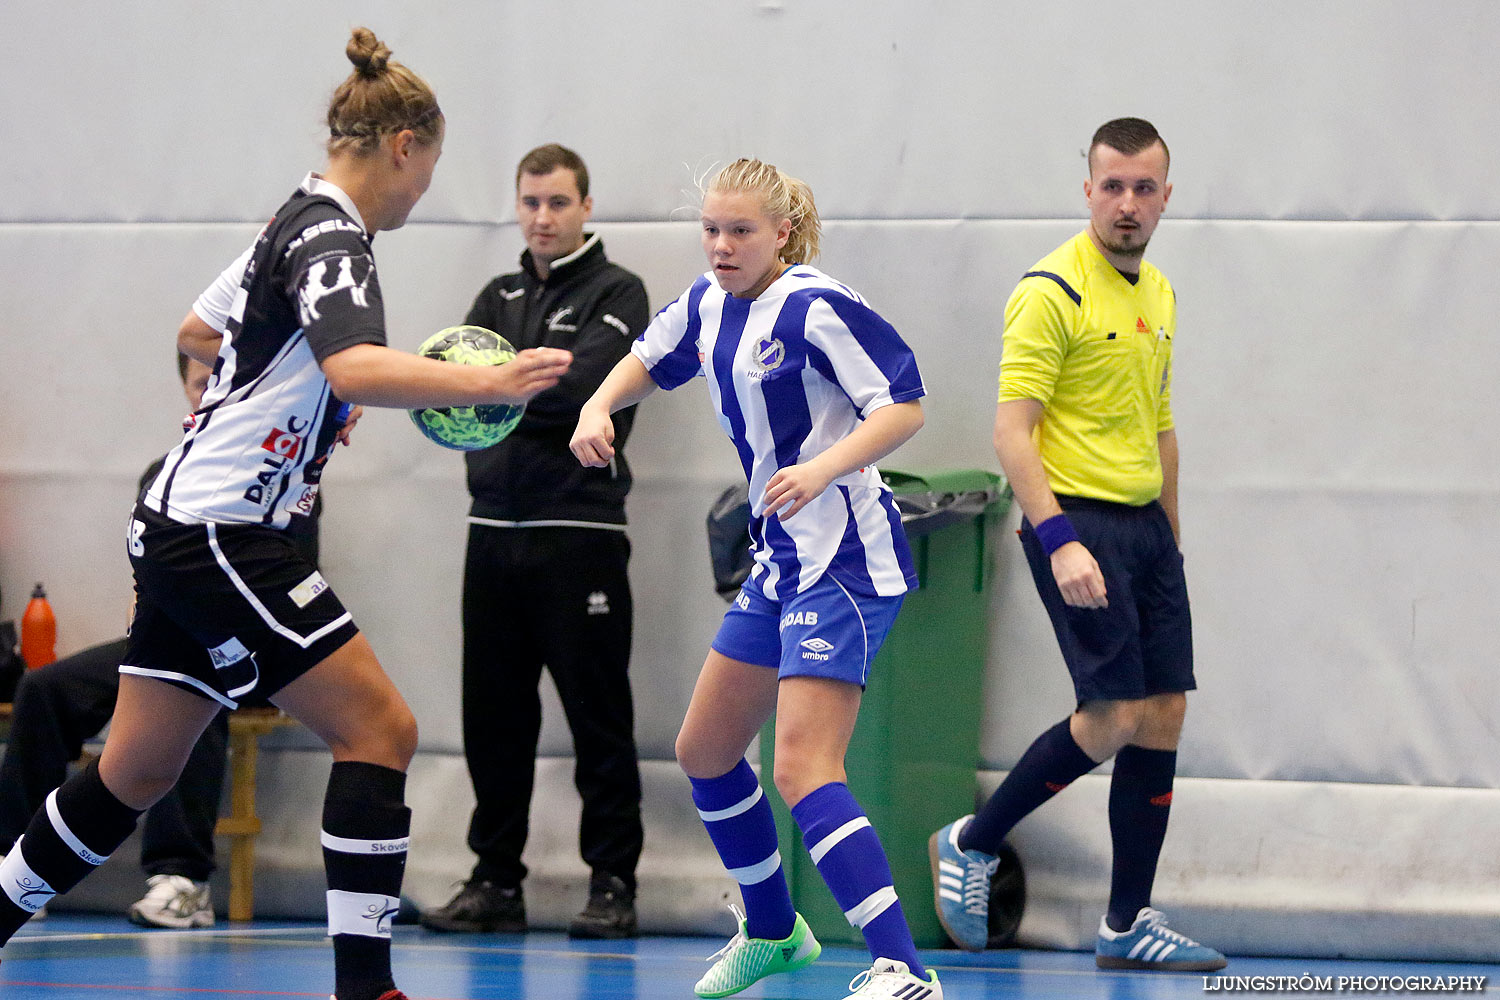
{"points": [[913, 758]]}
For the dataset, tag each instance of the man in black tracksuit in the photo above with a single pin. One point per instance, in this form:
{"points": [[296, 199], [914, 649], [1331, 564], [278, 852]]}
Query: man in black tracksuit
{"points": [[544, 575]]}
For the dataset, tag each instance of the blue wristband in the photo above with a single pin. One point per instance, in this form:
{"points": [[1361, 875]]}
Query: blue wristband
{"points": [[1055, 532]]}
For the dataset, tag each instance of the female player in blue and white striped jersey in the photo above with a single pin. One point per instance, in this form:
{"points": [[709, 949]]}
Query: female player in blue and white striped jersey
{"points": [[812, 386]]}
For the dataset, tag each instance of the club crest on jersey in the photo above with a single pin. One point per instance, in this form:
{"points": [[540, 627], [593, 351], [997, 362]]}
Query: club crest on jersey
{"points": [[766, 356], [330, 276]]}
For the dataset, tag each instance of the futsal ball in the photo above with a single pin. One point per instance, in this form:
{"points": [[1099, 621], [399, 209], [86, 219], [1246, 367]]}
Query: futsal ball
{"points": [[468, 428]]}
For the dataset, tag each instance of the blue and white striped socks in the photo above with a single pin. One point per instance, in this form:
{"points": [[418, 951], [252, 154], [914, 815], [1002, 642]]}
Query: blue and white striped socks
{"points": [[739, 822], [848, 854]]}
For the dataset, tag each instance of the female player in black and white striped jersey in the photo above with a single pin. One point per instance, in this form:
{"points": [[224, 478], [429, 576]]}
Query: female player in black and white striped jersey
{"points": [[225, 604]]}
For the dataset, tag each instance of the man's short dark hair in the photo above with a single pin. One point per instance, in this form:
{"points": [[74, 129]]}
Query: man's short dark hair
{"points": [[1129, 136], [545, 159]]}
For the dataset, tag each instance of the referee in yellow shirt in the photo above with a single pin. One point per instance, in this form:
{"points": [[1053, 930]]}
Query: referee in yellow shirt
{"points": [[1084, 432]]}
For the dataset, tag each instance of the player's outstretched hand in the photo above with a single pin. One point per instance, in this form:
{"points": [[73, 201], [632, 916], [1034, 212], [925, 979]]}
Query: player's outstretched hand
{"points": [[1079, 577], [793, 488], [530, 372], [593, 441]]}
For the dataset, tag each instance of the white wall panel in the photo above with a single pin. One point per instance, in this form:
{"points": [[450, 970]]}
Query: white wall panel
{"points": [[892, 110]]}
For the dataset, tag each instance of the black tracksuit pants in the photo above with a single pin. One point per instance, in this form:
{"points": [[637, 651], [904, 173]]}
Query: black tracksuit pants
{"points": [[57, 708], [554, 597]]}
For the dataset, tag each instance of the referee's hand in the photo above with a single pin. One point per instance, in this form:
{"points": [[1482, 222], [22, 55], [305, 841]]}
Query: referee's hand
{"points": [[1078, 577]]}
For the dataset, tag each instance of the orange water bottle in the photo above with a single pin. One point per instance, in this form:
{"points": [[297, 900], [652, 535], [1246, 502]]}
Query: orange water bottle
{"points": [[38, 631]]}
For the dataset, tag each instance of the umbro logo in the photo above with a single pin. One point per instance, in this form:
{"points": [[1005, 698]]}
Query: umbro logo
{"points": [[816, 648]]}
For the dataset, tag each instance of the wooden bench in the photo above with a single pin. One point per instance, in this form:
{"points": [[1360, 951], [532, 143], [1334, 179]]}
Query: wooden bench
{"points": [[242, 825]]}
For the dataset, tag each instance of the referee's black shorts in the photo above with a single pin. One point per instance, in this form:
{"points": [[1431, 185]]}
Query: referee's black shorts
{"points": [[231, 612], [1142, 644]]}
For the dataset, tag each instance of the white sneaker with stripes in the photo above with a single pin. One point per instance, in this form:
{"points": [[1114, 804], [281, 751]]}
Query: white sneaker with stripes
{"points": [[1151, 944], [889, 979]]}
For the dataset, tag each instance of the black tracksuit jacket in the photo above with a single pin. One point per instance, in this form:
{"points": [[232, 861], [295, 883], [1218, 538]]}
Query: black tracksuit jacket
{"points": [[595, 309]]}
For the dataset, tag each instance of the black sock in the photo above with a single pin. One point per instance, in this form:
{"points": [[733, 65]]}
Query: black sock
{"points": [[1140, 801], [366, 828], [77, 830], [1048, 766]]}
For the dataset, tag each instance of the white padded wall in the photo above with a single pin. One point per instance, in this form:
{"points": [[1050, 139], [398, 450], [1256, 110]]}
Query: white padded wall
{"points": [[1333, 224]]}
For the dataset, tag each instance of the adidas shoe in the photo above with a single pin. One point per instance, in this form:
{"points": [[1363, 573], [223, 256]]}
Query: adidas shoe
{"points": [[1151, 944], [173, 901], [888, 979], [744, 960], [961, 886]]}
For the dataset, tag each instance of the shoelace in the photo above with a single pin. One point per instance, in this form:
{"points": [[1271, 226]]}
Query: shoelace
{"points": [[869, 976], [977, 877], [739, 935], [1158, 922]]}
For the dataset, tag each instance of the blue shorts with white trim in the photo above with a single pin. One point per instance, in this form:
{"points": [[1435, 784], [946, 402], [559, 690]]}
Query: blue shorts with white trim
{"points": [[825, 631], [229, 612]]}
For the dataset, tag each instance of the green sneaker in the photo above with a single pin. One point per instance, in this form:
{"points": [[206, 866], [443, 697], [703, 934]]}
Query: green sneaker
{"points": [[744, 960]]}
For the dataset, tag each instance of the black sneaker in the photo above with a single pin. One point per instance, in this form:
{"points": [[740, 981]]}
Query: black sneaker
{"points": [[610, 912], [480, 907]]}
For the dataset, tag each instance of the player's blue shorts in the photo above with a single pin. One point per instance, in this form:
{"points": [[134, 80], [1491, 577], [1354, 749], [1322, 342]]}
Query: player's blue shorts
{"points": [[1142, 644], [825, 631]]}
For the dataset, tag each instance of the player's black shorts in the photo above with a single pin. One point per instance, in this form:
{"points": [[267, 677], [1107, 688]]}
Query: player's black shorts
{"points": [[227, 611], [1142, 644]]}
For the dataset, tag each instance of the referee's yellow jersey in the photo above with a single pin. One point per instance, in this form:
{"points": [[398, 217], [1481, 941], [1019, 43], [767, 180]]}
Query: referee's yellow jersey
{"points": [[1096, 352]]}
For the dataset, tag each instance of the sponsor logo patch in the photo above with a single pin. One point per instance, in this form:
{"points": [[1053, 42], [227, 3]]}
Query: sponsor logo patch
{"points": [[304, 503], [227, 653], [799, 618], [283, 443], [302, 595]]}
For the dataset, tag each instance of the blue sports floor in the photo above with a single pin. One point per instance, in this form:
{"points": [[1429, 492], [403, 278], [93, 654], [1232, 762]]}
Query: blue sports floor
{"points": [[75, 957]]}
